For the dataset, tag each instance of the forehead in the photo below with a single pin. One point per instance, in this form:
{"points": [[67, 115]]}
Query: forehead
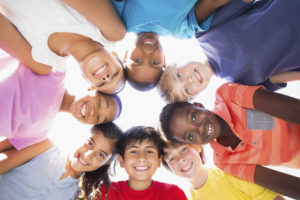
{"points": [[143, 73], [142, 144], [101, 142]]}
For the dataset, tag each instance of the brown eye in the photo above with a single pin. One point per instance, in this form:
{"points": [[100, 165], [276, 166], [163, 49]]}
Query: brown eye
{"points": [[191, 136], [193, 117]]}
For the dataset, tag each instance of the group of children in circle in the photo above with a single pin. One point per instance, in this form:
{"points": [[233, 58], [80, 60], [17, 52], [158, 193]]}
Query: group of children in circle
{"points": [[250, 127]]}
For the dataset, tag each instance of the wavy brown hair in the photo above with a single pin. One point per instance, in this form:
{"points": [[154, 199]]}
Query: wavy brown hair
{"points": [[90, 182]]}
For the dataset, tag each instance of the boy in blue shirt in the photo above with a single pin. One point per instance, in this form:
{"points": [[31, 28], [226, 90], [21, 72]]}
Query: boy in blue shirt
{"points": [[149, 19]]}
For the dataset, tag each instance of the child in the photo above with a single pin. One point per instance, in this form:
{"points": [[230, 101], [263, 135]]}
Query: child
{"points": [[257, 55], [149, 20], [249, 127], [187, 161], [55, 31], [30, 102], [140, 151], [52, 175]]}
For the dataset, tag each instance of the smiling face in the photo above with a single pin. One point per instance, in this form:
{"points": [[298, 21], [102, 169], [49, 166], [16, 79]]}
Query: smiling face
{"points": [[95, 109], [194, 124], [140, 162], [104, 71], [146, 60], [183, 160], [94, 153], [189, 80]]}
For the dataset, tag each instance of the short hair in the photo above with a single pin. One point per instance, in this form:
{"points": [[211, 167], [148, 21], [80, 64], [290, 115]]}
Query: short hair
{"points": [[164, 88], [141, 86], [140, 134], [176, 145], [166, 115]]}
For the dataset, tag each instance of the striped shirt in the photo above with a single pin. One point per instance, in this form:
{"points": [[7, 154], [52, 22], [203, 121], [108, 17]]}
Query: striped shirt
{"points": [[265, 140]]}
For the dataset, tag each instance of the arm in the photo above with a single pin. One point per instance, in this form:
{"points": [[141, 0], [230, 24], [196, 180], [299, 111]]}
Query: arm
{"points": [[285, 77], [14, 44], [278, 182], [103, 15], [13, 158], [203, 8], [5, 145], [278, 105]]}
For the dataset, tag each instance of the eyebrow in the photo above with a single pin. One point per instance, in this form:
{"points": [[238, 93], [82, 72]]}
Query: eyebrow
{"points": [[92, 139]]}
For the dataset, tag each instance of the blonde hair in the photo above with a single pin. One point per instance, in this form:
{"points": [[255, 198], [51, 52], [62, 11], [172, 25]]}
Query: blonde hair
{"points": [[165, 87]]}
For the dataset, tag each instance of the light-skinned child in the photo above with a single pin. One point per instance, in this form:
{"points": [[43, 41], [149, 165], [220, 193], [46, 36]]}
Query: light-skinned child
{"points": [[248, 128], [30, 102], [140, 153], [151, 19], [52, 39], [51, 174], [241, 46], [186, 160]]}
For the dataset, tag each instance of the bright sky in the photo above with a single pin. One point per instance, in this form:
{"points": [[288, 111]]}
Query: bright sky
{"points": [[143, 108]]}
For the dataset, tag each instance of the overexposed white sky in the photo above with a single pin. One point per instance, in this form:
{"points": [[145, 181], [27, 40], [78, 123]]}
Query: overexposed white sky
{"points": [[143, 108]]}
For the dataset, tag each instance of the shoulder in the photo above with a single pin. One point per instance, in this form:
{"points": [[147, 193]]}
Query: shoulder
{"points": [[169, 188]]}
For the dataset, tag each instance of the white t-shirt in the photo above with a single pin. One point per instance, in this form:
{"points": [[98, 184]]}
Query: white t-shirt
{"points": [[38, 19]]}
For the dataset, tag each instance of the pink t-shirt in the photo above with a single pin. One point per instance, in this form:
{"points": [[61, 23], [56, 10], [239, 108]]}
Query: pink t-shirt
{"points": [[28, 102]]}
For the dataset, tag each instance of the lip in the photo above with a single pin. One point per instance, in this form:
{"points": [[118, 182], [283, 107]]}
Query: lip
{"points": [[198, 75], [187, 168], [81, 161], [83, 110], [100, 71]]}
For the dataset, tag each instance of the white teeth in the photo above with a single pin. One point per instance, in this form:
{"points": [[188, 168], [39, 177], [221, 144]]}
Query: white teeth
{"points": [[148, 42], [83, 110], [141, 168], [209, 129], [100, 70], [198, 76], [84, 163], [187, 167]]}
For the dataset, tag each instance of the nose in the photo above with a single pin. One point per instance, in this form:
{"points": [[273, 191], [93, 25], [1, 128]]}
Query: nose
{"points": [[141, 157], [107, 77], [88, 154]]}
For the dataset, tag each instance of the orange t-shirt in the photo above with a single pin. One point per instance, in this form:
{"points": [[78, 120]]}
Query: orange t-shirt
{"points": [[265, 140]]}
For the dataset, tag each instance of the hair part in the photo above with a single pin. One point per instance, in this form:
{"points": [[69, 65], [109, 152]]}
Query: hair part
{"points": [[138, 134], [142, 86], [166, 116], [90, 182]]}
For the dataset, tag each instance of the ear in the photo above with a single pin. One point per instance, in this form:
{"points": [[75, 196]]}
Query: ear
{"points": [[198, 104], [115, 54], [160, 160], [121, 161], [125, 57], [164, 63]]}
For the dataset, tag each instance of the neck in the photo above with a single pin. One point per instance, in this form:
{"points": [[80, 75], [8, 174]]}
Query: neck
{"points": [[200, 178], [227, 137], [139, 185], [65, 44], [66, 102]]}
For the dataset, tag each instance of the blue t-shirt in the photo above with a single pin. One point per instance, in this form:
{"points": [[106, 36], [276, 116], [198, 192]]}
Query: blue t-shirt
{"points": [[248, 42], [38, 179], [164, 17]]}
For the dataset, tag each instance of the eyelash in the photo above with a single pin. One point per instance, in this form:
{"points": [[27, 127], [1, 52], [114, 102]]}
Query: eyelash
{"points": [[101, 156], [155, 63], [190, 136], [136, 60]]}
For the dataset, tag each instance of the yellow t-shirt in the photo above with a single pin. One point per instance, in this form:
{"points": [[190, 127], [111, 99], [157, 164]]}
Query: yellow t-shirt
{"points": [[221, 185]]}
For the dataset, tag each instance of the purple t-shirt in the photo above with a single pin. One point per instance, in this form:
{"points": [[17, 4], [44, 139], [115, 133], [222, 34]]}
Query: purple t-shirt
{"points": [[28, 102], [248, 42]]}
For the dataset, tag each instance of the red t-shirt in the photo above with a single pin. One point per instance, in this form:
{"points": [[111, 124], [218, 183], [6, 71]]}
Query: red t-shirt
{"points": [[160, 191]]}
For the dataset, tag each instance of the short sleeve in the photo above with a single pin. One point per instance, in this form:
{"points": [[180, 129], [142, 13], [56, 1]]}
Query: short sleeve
{"points": [[239, 94], [243, 171], [21, 143]]}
